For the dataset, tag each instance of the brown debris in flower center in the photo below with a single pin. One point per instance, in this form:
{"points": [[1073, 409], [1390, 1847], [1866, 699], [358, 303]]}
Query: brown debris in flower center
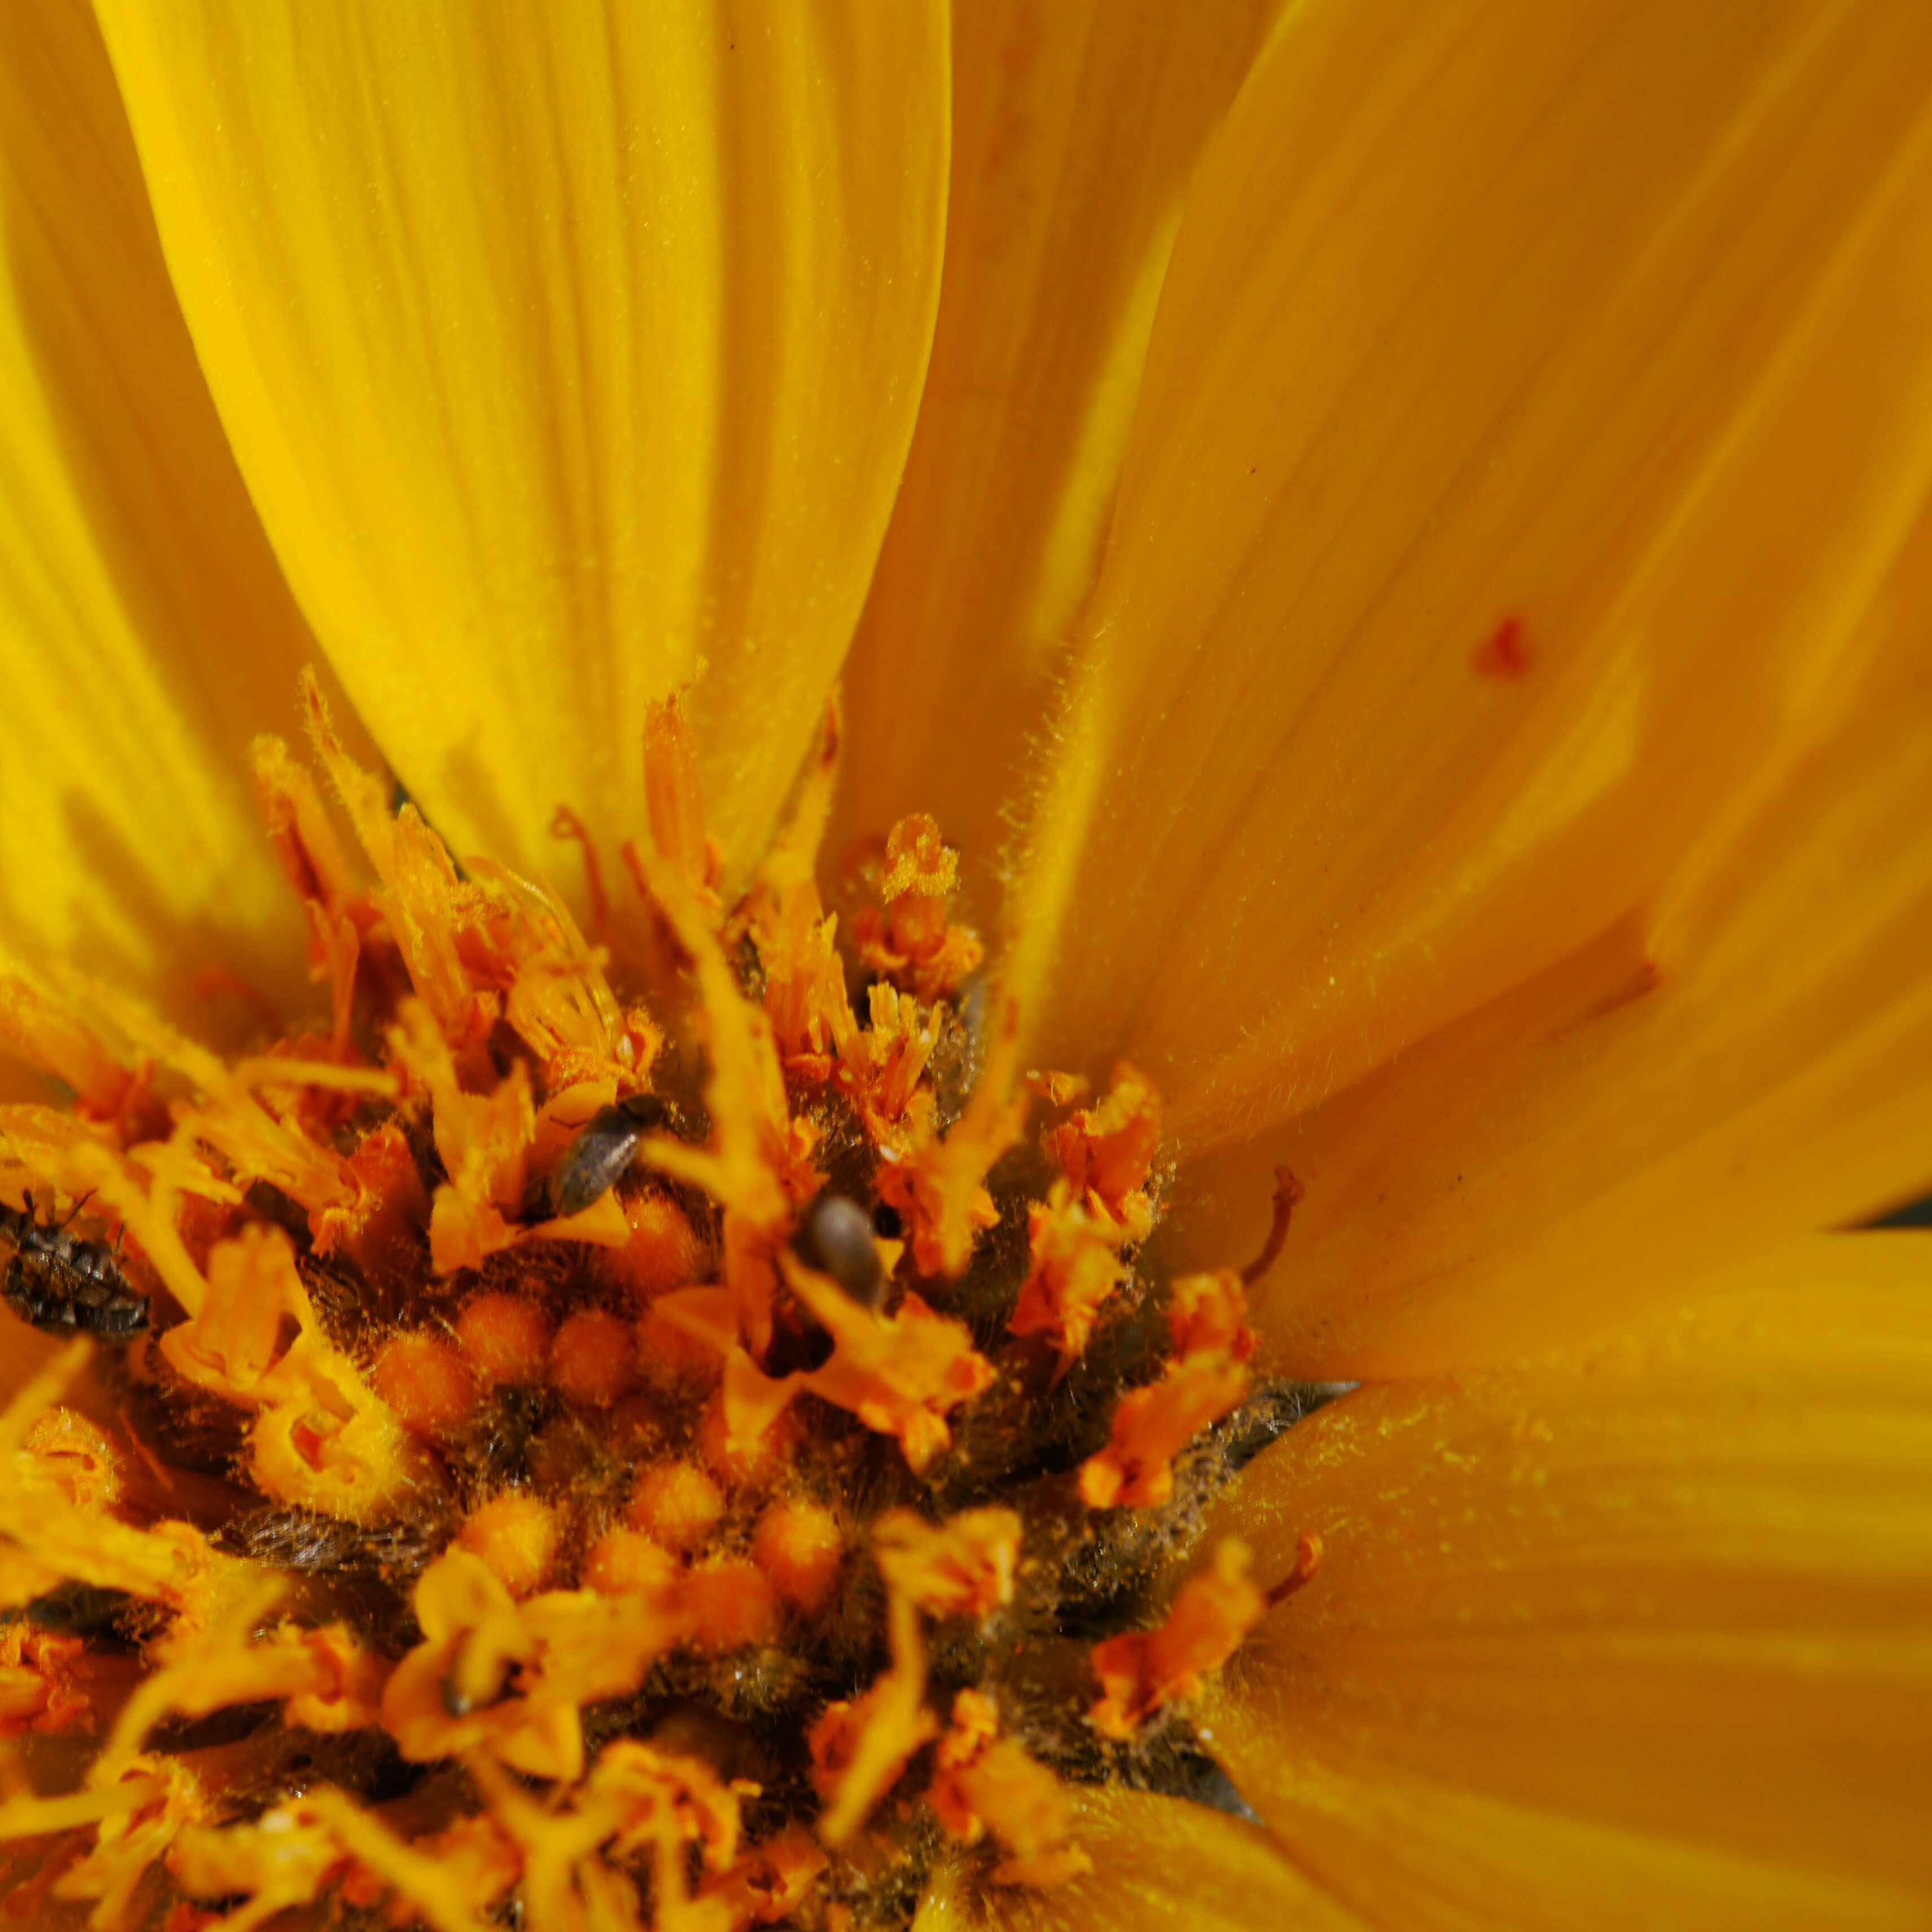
{"points": [[680, 1466]]}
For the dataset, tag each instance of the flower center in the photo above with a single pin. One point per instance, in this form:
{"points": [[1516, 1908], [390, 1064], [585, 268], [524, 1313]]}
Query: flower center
{"points": [[651, 1442]]}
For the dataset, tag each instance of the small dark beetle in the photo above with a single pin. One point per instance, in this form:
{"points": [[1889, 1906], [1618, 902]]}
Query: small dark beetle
{"points": [[835, 1238], [63, 1284], [596, 1161]]}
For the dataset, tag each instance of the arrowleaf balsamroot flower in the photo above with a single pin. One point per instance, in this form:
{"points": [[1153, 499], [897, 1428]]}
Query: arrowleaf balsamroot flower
{"points": [[1014, 1096]]}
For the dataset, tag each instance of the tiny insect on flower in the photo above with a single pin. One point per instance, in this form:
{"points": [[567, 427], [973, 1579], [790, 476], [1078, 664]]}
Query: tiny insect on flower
{"points": [[64, 1284]]}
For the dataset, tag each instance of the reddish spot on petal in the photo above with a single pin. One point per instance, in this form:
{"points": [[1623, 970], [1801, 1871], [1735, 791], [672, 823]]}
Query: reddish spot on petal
{"points": [[1506, 656]]}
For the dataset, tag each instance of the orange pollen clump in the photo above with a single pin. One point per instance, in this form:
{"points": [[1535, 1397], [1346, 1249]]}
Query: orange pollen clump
{"points": [[591, 1358], [798, 1546], [672, 1389], [504, 1339], [427, 1381], [677, 1504], [623, 1560], [517, 1536], [664, 1251]]}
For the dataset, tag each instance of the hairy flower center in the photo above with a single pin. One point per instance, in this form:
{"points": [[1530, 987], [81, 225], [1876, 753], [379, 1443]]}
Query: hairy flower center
{"points": [[649, 1442]]}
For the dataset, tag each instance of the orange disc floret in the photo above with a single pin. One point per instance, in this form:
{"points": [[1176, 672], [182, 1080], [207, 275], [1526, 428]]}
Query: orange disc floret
{"points": [[961, 1568], [910, 940], [1107, 1151], [938, 1185], [345, 1692], [673, 802], [901, 1375], [859, 1747], [770, 1881], [1208, 1312], [380, 1226], [1074, 1269], [880, 1065], [623, 1562], [676, 1504], [805, 1001], [504, 1338], [664, 1250], [729, 1604], [426, 1381], [515, 1537], [984, 1782], [77, 1456], [591, 1359], [1145, 1671], [1153, 1425], [798, 1546], [37, 1692]]}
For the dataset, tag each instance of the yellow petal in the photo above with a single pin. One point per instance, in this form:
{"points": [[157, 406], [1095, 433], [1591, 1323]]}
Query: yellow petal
{"points": [[1076, 126], [1611, 324], [1434, 1857], [1755, 1057], [566, 349], [147, 633], [1669, 1594], [1160, 1864]]}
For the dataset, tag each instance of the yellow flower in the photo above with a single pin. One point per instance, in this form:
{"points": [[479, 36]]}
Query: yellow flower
{"points": [[1419, 511]]}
